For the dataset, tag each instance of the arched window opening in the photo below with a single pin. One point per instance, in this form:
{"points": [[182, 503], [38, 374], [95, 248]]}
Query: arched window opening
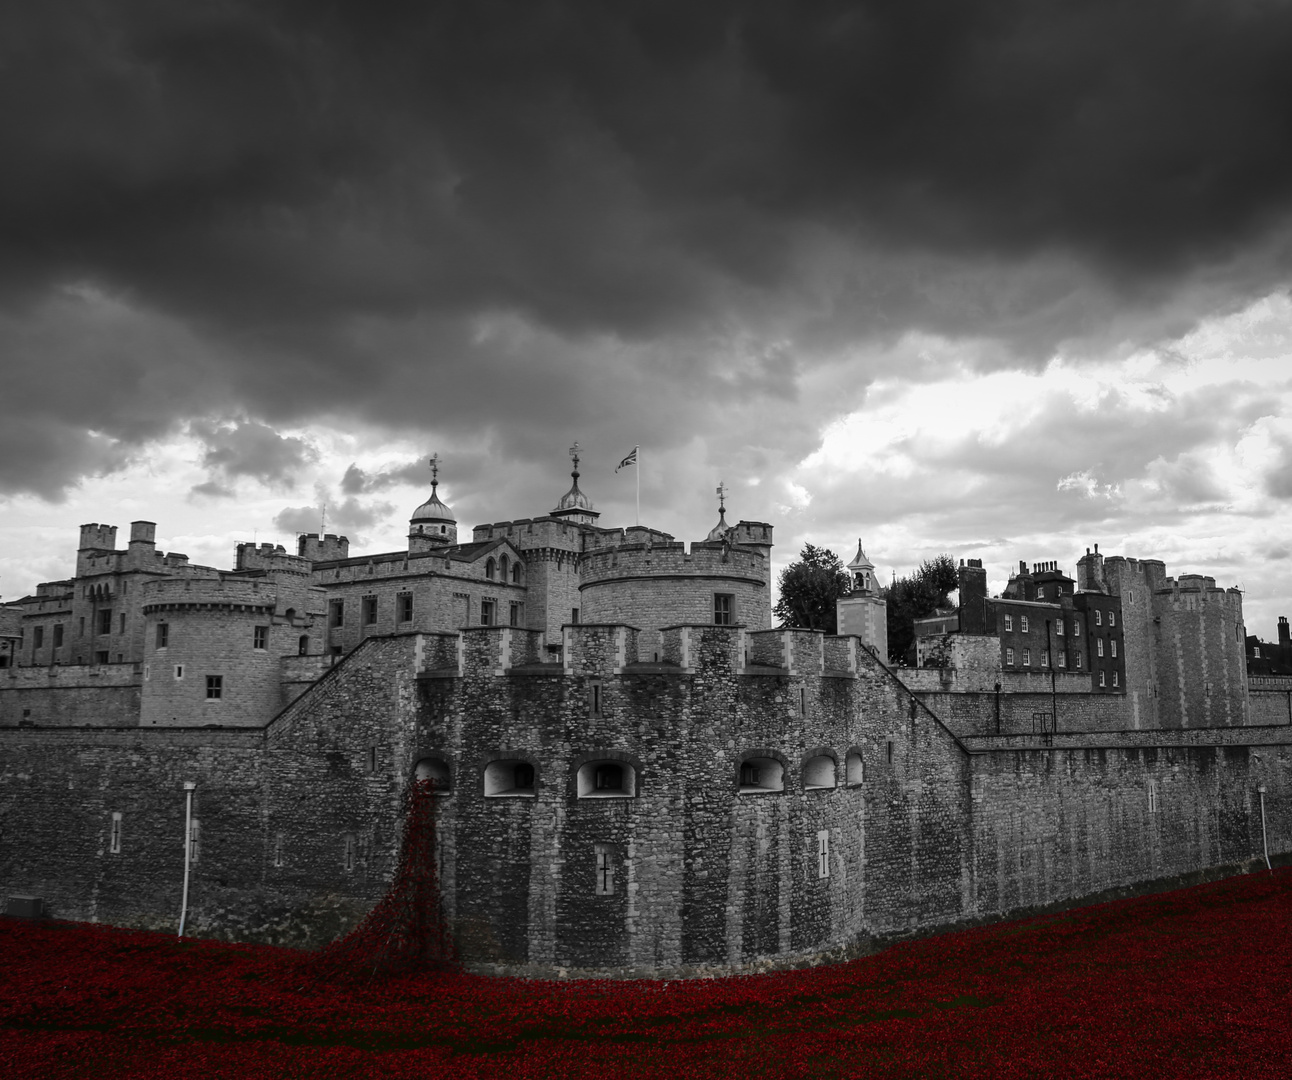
{"points": [[303, 646], [289, 614], [509, 778], [854, 769], [504, 564], [515, 573], [489, 565], [819, 773], [761, 775], [436, 770], [606, 780]]}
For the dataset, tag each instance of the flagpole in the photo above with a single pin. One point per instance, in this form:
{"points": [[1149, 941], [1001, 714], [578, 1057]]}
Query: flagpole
{"points": [[638, 470]]}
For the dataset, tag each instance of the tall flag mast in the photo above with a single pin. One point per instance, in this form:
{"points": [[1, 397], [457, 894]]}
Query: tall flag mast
{"points": [[631, 459]]}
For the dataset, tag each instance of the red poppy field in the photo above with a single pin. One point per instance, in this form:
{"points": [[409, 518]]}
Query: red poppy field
{"points": [[1191, 983]]}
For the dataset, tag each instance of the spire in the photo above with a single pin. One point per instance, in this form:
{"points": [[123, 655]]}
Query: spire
{"points": [[720, 530], [574, 505]]}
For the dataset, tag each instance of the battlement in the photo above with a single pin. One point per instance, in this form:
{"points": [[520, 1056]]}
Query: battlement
{"points": [[96, 537], [705, 559], [533, 532], [271, 558], [324, 548], [220, 591]]}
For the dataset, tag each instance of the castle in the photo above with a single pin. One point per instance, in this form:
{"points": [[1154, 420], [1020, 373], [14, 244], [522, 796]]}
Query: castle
{"points": [[636, 773]]}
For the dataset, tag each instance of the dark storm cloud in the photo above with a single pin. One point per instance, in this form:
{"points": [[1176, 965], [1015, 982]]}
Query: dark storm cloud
{"points": [[249, 448], [301, 186], [357, 481]]}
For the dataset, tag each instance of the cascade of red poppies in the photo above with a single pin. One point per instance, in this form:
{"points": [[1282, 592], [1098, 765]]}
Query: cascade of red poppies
{"points": [[406, 931]]}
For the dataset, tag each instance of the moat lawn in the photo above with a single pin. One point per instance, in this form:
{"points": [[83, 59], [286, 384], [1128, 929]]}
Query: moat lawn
{"points": [[1190, 983]]}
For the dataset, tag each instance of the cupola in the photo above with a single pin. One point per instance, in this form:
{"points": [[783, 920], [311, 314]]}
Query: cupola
{"points": [[432, 524], [575, 506], [862, 571], [722, 530]]}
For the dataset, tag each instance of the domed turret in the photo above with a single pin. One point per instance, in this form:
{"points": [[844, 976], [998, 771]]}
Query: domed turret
{"points": [[432, 524], [862, 571], [722, 530], [574, 505]]}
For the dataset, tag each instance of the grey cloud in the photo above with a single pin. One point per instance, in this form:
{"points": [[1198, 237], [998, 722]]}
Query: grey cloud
{"points": [[357, 481], [1278, 478], [250, 448], [212, 489]]}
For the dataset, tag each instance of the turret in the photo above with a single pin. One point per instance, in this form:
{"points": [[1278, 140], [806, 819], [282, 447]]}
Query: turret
{"points": [[1090, 572], [432, 524], [574, 506], [972, 581]]}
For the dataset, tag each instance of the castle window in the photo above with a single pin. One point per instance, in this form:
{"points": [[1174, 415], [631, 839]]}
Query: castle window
{"points": [[722, 607], [854, 768], [819, 773], [1078, 659], [436, 771], [336, 613], [1101, 679], [260, 637], [114, 837], [513, 616], [823, 853], [80, 630], [1058, 627], [761, 775], [444, 530], [179, 671], [1130, 596], [595, 689], [486, 613], [574, 616], [1076, 627], [1099, 617], [1027, 657], [369, 611], [348, 845], [37, 638], [303, 645], [508, 778], [1009, 621], [802, 702], [163, 635], [1099, 646], [604, 779], [1022, 623], [1060, 659], [1009, 657], [489, 565], [515, 573], [1112, 618], [105, 621], [214, 687], [404, 604], [1112, 645], [123, 622], [504, 568], [605, 885], [58, 635], [372, 759], [1115, 678], [101, 656], [278, 849], [1045, 657], [889, 750], [1152, 796]]}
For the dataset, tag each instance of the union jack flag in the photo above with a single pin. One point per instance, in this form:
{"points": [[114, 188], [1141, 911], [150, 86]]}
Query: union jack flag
{"points": [[631, 459]]}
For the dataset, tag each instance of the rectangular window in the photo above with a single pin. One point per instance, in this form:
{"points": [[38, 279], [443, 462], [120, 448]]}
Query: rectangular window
{"points": [[594, 697], [122, 626], [80, 630], [574, 616], [1076, 627], [1061, 659], [114, 840], [260, 637], [1099, 646], [1101, 679], [58, 635], [214, 687], [513, 614], [1115, 679], [372, 759], [179, 671], [1152, 796], [605, 884], [1009, 657], [1022, 623], [38, 638], [1009, 622], [890, 751], [1112, 618], [1112, 644], [802, 701], [348, 846], [722, 604], [278, 850], [1078, 659], [336, 613], [1045, 657], [486, 613], [1058, 627], [404, 604], [163, 635], [101, 656], [369, 611], [823, 853], [1099, 617], [1027, 657]]}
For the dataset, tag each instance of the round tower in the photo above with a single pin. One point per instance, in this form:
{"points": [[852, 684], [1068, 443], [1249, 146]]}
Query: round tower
{"points": [[432, 524]]}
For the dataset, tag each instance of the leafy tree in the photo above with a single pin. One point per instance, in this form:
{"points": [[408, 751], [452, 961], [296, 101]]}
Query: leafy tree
{"points": [[809, 589], [915, 597]]}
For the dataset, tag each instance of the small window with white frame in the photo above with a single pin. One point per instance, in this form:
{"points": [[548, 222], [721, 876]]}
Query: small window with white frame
{"points": [[1152, 796], [1077, 660], [1009, 657], [114, 837], [1112, 646], [724, 606], [823, 853], [1101, 679], [1009, 621], [1027, 657], [1116, 681], [1112, 618], [260, 637], [1076, 627], [605, 862], [1099, 646], [1099, 617], [1058, 627], [1022, 623]]}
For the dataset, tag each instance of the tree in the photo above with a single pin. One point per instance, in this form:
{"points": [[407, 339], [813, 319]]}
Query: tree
{"points": [[915, 597], [809, 589]]}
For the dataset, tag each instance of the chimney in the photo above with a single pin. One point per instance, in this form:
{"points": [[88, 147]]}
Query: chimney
{"points": [[973, 597], [1284, 641]]}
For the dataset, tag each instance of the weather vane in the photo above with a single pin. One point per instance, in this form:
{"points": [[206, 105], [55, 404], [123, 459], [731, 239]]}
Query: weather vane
{"points": [[435, 468], [574, 453], [722, 497]]}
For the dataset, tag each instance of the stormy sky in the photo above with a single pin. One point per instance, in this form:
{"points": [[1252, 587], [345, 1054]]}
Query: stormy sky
{"points": [[997, 279]]}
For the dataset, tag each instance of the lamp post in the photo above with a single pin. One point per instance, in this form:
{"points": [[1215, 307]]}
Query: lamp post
{"points": [[1264, 838], [1054, 694], [189, 787]]}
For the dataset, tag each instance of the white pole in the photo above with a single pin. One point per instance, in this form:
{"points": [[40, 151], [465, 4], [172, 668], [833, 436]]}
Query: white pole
{"points": [[1264, 838], [189, 785], [637, 468]]}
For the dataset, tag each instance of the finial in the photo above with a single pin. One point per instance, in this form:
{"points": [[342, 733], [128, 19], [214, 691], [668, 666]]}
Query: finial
{"points": [[435, 470], [722, 497], [574, 453]]}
